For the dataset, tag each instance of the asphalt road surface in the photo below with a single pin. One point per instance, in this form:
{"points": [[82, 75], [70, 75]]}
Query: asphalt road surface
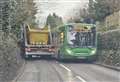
{"points": [[53, 71]]}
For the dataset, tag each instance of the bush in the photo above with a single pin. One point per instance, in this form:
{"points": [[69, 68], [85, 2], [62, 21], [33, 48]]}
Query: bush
{"points": [[10, 59], [109, 47]]}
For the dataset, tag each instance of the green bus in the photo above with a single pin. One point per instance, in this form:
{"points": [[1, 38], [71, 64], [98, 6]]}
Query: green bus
{"points": [[75, 41]]}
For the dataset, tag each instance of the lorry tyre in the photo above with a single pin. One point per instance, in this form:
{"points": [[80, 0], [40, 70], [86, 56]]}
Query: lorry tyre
{"points": [[28, 57]]}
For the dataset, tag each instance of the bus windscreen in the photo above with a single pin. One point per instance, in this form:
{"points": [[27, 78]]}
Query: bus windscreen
{"points": [[77, 38]]}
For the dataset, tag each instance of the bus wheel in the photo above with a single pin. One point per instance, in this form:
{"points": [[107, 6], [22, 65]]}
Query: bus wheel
{"points": [[59, 58], [92, 59]]}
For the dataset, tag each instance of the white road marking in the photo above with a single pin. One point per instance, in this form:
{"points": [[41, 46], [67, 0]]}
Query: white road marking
{"points": [[80, 78], [65, 67], [60, 1]]}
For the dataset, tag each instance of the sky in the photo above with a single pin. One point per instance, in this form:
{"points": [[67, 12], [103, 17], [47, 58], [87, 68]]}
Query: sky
{"points": [[63, 8]]}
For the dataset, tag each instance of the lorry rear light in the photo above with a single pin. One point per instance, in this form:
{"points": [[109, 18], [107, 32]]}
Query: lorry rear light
{"points": [[43, 42], [27, 49], [51, 50], [39, 43]]}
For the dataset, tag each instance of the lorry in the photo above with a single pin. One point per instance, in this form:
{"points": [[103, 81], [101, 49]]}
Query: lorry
{"points": [[36, 42]]}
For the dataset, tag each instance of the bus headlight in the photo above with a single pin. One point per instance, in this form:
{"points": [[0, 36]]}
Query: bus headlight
{"points": [[93, 52], [68, 51]]}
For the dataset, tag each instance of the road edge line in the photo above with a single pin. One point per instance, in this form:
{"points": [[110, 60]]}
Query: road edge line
{"points": [[20, 72], [80, 78], [107, 66]]}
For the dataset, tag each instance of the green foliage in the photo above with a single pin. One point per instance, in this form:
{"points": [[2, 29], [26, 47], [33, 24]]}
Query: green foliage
{"points": [[99, 9], [83, 14], [54, 20], [4, 15], [109, 47], [10, 59], [14, 13], [109, 40], [25, 14], [91, 9], [102, 28]]}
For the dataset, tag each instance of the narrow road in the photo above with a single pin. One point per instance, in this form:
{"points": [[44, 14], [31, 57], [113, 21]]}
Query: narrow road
{"points": [[53, 71]]}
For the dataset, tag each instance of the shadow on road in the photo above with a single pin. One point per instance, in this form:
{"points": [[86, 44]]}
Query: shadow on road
{"points": [[41, 58], [75, 61], [49, 58]]}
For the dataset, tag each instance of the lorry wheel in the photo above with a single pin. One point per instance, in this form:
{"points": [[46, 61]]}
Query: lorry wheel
{"points": [[28, 57]]}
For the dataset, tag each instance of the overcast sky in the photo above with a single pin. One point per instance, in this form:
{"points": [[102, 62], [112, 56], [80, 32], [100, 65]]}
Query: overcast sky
{"points": [[63, 8]]}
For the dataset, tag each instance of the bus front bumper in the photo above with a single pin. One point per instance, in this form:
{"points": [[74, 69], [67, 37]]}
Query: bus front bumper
{"points": [[69, 54], [80, 56]]}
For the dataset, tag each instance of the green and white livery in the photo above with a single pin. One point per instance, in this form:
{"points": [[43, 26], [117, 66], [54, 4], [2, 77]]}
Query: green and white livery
{"points": [[75, 41]]}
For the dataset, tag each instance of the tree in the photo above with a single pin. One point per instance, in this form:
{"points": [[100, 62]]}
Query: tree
{"points": [[91, 9], [13, 13], [99, 9], [4, 15], [54, 20], [25, 13], [102, 9]]}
